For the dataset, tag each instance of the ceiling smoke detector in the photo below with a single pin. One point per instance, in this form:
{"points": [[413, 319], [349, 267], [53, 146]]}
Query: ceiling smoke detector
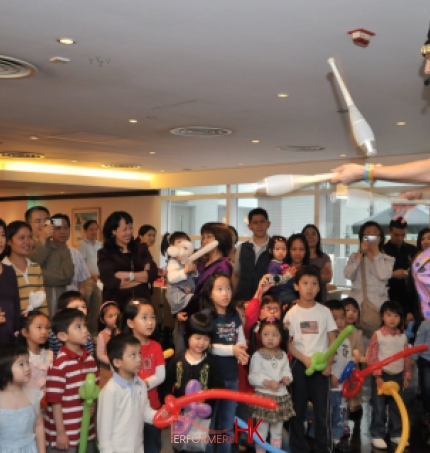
{"points": [[21, 155], [129, 166], [201, 131], [12, 68], [300, 148]]}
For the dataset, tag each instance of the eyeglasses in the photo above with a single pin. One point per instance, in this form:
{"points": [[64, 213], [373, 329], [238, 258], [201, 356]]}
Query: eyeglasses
{"points": [[270, 308]]}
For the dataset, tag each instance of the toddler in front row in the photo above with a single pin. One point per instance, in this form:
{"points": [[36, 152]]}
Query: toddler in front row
{"points": [[385, 342], [270, 373]]}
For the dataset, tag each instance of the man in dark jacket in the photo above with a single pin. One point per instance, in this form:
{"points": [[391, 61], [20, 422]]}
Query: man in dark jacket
{"points": [[404, 254]]}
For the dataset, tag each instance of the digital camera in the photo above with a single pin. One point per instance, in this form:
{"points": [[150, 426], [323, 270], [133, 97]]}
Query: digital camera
{"points": [[370, 238]]}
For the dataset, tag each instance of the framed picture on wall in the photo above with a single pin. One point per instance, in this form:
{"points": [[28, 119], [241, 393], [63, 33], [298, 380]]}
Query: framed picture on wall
{"points": [[79, 217]]}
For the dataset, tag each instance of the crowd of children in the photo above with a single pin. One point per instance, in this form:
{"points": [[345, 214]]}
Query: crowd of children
{"points": [[264, 345]]}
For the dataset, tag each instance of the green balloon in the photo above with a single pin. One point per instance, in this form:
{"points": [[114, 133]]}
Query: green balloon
{"points": [[89, 392], [319, 360]]}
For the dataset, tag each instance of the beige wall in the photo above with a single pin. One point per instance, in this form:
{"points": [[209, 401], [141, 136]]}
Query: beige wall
{"points": [[142, 209]]}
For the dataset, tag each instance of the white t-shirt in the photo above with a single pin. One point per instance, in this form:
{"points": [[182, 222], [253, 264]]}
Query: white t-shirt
{"points": [[309, 328], [340, 360]]}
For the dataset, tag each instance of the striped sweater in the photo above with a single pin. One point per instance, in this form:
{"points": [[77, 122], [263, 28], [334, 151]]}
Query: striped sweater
{"points": [[64, 379], [31, 280]]}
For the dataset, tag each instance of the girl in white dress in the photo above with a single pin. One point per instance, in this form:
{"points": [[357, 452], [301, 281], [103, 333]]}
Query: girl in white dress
{"points": [[34, 333], [270, 373], [21, 423]]}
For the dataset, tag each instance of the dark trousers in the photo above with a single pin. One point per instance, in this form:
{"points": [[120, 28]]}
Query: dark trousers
{"points": [[152, 439], [424, 379], [379, 403], [315, 388]]}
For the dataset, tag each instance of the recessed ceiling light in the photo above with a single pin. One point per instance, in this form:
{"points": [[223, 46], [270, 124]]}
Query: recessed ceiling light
{"points": [[132, 121], [255, 141], [161, 171], [343, 155], [151, 152], [282, 95], [401, 123], [240, 163], [67, 41], [74, 161], [33, 137]]}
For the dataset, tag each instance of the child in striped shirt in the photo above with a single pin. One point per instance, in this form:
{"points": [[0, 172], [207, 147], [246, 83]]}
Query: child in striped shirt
{"points": [[68, 373]]}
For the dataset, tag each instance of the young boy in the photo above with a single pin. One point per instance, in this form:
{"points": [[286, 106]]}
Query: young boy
{"points": [[70, 299], [342, 357], [252, 257], [311, 329], [123, 404], [65, 377]]}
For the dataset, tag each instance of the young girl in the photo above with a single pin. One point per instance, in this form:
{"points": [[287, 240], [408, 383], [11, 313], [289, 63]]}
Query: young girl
{"points": [[139, 320], [385, 342], [34, 333], [278, 252], [109, 312], [229, 346], [358, 354], [21, 422], [270, 373], [195, 363], [297, 256]]}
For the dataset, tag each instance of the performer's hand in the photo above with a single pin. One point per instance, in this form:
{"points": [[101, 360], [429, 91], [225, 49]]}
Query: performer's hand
{"points": [[347, 174], [402, 210]]}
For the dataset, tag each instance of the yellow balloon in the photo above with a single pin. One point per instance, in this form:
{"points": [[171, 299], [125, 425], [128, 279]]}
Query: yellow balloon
{"points": [[168, 353], [391, 388]]}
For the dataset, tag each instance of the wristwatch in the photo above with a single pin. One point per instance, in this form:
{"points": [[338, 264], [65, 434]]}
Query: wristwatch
{"points": [[131, 276]]}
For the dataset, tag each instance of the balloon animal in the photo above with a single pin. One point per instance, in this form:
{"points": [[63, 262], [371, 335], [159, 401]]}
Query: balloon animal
{"points": [[172, 406], [356, 380], [89, 392], [192, 410], [319, 360]]}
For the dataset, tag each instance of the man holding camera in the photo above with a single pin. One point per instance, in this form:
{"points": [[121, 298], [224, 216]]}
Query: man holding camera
{"points": [[403, 254], [54, 258]]}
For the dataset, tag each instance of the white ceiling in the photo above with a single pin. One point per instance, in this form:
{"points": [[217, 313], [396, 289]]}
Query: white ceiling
{"points": [[171, 63]]}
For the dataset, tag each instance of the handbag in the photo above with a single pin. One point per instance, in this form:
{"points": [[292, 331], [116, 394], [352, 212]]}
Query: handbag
{"points": [[370, 318]]}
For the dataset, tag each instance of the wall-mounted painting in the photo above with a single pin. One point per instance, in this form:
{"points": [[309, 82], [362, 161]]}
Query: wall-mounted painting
{"points": [[79, 217]]}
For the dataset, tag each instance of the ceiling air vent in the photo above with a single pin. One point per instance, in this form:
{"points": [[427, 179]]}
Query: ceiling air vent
{"points": [[300, 148], [200, 131], [12, 68], [21, 155], [130, 166]]}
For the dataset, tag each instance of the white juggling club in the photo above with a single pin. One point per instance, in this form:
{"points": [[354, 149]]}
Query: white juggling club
{"points": [[361, 130], [282, 184]]}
